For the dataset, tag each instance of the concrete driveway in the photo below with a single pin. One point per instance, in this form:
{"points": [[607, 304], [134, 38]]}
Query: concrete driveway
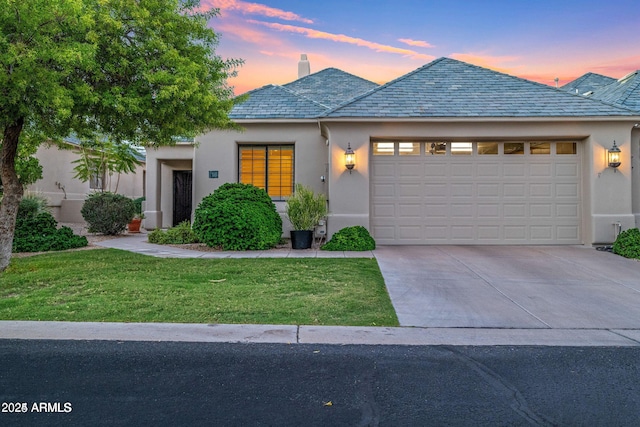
{"points": [[564, 287]]}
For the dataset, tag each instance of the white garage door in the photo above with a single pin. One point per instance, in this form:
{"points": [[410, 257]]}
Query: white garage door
{"points": [[475, 192]]}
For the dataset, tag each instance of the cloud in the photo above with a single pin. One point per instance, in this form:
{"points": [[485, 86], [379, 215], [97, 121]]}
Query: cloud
{"points": [[417, 43], [341, 38], [247, 8]]}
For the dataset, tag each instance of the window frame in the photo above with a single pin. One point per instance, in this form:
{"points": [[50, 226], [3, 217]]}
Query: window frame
{"points": [[266, 147]]}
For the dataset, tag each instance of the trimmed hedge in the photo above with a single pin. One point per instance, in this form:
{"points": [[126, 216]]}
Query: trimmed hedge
{"points": [[355, 238], [238, 217], [108, 213], [628, 243]]}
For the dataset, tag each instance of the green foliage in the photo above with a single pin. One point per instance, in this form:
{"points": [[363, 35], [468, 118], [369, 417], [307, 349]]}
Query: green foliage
{"points": [[138, 203], [107, 213], [37, 230], [32, 205], [628, 244], [104, 158], [305, 209], [238, 217], [136, 71], [355, 238], [179, 235]]}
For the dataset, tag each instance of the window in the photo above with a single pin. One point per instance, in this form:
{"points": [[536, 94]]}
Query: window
{"points": [[514, 148], [96, 180], [540, 148], [461, 148], [268, 167], [437, 148], [409, 149], [565, 148], [383, 148], [487, 148]]}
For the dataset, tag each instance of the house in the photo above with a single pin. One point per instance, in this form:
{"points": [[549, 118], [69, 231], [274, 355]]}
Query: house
{"points": [[65, 193], [450, 153]]}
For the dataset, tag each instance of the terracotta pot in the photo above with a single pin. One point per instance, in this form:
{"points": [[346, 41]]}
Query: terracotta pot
{"points": [[134, 225]]}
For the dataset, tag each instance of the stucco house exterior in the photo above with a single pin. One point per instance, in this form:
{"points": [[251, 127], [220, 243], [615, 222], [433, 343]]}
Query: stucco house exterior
{"points": [[450, 153], [67, 194]]}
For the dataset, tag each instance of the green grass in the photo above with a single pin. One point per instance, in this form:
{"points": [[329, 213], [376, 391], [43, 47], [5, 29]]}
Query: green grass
{"points": [[116, 286]]}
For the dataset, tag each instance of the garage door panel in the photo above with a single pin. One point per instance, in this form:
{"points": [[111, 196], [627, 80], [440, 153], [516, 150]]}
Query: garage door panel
{"points": [[476, 199]]}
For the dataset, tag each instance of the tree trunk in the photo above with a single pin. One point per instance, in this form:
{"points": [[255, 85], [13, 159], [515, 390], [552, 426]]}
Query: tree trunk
{"points": [[12, 190]]}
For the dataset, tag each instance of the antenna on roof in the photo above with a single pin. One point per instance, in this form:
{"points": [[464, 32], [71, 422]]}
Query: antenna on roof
{"points": [[556, 80]]}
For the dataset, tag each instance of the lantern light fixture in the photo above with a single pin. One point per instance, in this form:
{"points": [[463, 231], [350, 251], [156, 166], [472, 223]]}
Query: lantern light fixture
{"points": [[349, 158], [613, 156]]}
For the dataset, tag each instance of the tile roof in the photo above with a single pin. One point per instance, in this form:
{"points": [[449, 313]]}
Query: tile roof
{"points": [[624, 92], [451, 88], [276, 102], [587, 83], [330, 87], [307, 97]]}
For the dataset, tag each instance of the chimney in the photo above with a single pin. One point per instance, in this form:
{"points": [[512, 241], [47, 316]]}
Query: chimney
{"points": [[304, 69]]}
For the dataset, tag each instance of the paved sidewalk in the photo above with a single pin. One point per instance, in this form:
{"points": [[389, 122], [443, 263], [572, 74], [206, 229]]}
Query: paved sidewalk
{"points": [[339, 335], [138, 243]]}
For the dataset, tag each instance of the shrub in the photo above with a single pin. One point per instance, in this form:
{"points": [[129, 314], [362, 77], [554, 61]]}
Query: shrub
{"points": [[305, 209], [179, 235], [138, 204], [355, 238], [628, 243], [238, 217], [36, 230], [32, 205], [108, 213]]}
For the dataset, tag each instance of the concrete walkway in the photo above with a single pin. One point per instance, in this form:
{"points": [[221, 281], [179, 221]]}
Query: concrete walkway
{"points": [[443, 295], [138, 243]]}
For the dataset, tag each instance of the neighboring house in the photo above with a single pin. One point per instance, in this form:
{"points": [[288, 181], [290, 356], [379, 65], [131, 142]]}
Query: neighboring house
{"points": [[450, 153], [65, 193]]}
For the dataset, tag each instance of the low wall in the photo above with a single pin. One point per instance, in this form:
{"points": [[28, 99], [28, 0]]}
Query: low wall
{"points": [[70, 211]]}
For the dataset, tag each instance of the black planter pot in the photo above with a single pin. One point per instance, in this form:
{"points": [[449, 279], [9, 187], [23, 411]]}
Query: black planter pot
{"points": [[301, 239]]}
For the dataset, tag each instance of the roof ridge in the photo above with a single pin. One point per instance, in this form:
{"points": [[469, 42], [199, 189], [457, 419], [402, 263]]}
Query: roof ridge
{"points": [[381, 87], [294, 93]]}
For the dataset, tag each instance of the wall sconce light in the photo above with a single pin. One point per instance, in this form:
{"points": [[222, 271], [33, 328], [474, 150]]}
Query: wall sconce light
{"points": [[349, 158], [613, 156]]}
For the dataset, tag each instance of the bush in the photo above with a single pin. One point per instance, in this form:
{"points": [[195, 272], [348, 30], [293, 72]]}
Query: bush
{"points": [[32, 205], [305, 208], [179, 235], [238, 217], [355, 238], [628, 243], [138, 204], [37, 230], [108, 213]]}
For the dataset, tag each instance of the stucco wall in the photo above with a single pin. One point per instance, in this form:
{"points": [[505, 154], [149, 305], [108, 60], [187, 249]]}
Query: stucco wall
{"points": [[57, 179], [218, 151], [606, 194], [161, 162]]}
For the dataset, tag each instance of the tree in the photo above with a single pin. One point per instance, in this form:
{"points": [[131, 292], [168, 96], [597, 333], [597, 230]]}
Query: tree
{"points": [[102, 158], [141, 71]]}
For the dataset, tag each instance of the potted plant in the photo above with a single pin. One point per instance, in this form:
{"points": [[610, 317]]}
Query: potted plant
{"points": [[136, 221], [304, 210]]}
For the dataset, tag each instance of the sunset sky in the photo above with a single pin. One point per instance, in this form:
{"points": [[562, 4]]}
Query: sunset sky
{"points": [[381, 40]]}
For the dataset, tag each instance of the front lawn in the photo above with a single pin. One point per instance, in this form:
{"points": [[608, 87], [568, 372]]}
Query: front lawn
{"points": [[108, 285]]}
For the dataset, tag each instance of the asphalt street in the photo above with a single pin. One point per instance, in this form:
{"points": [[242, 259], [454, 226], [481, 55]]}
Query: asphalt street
{"points": [[146, 383]]}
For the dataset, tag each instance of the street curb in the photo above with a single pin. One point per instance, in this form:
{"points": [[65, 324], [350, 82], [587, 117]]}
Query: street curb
{"points": [[337, 335]]}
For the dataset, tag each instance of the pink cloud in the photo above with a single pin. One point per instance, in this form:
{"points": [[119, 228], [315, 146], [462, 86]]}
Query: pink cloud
{"points": [[247, 8], [417, 43], [341, 38]]}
